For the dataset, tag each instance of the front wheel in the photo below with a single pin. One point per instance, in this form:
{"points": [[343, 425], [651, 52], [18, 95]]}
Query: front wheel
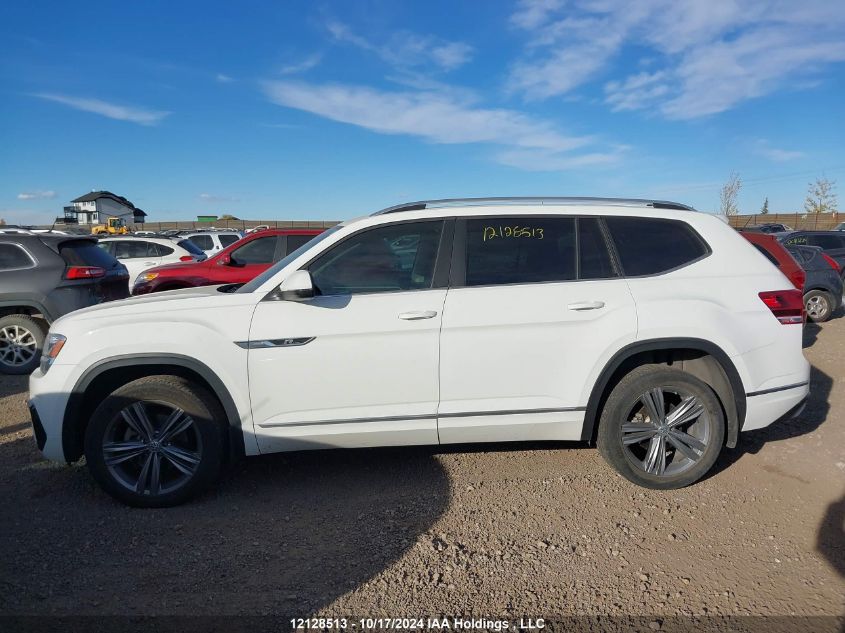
{"points": [[661, 428], [156, 441]]}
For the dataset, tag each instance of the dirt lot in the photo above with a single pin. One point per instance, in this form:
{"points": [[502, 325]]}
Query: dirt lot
{"points": [[537, 531]]}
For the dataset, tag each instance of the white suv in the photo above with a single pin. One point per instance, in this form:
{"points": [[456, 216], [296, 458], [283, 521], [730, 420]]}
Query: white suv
{"points": [[142, 253], [653, 330]]}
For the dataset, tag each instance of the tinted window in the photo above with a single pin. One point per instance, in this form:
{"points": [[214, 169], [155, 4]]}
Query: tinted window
{"points": [[227, 239], [189, 246], [593, 255], [257, 251], [295, 241], [160, 249], [827, 242], [647, 246], [383, 259], [85, 253], [131, 249], [203, 241], [107, 246], [13, 256], [512, 250]]}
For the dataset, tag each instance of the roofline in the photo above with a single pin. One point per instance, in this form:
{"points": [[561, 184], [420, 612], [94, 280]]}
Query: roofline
{"points": [[541, 200]]}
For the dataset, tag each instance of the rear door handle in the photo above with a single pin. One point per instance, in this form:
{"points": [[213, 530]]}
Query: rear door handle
{"points": [[416, 316], [586, 305]]}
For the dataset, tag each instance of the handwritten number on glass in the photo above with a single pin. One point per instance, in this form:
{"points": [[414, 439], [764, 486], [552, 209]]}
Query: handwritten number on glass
{"points": [[497, 232]]}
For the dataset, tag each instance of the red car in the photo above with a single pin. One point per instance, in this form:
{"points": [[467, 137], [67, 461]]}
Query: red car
{"points": [[776, 253], [238, 263]]}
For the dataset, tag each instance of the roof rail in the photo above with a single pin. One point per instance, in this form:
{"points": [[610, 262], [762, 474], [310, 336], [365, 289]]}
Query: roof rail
{"points": [[541, 200]]}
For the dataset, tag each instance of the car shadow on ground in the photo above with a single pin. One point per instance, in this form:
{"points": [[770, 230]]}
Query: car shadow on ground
{"points": [[830, 539], [813, 415], [286, 533]]}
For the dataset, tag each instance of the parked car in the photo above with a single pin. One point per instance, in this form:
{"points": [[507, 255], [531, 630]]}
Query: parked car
{"points": [[778, 254], [211, 242], [653, 330], [43, 277], [769, 227], [823, 287], [831, 242], [139, 254], [236, 264]]}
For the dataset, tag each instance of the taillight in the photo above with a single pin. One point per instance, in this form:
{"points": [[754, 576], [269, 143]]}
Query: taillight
{"points": [[84, 272], [786, 305], [833, 263], [186, 258], [798, 277]]}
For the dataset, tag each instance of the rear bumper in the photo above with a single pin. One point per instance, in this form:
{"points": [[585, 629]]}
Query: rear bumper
{"points": [[773, 405]]}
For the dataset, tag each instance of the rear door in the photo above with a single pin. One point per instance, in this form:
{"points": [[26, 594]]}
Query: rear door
{"points": [[533, 303], [252, 257], [136, 255], [72, 294]]}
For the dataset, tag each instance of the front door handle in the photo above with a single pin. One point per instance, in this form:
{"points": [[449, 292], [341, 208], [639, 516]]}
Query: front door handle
{"points": [[416, 316], [586, 305]]}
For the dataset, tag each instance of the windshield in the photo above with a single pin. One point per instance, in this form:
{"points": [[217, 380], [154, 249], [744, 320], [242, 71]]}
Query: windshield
{"points": [[267, 274]]}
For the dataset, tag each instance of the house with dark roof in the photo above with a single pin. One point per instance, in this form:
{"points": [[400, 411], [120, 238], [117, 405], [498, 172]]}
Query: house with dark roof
{"points": [[98, 206]]}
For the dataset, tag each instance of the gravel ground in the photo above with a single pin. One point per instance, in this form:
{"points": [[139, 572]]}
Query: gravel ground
{"points": [[495, 531]]}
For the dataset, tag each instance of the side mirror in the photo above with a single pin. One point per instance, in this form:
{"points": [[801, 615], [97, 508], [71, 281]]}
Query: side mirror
{"points": [[224, 260], [297, 287]]}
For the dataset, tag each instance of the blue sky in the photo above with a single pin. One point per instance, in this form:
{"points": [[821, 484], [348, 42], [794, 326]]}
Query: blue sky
{"points": [[298, 110]]}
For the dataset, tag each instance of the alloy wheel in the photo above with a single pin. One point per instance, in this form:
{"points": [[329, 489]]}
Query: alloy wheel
{"points": [[152, 448], [17, 345], [817, 307], [666, 431]]}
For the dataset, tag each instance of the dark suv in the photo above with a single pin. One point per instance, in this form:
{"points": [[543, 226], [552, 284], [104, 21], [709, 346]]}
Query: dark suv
{"points": [[43, 277], [831, 242], [823, 284]]}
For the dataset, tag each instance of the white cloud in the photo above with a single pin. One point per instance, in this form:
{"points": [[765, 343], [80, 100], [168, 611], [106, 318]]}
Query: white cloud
{"points": [[224, 79], [444, 118], [706, 56], [763, 148], [303, 66], [209, 197], [141, 116], [408, 50], [37, 195]]}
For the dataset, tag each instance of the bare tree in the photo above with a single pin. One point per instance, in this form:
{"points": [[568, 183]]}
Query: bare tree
{"points": [[821, 197], [729, 193], [765, 208]]}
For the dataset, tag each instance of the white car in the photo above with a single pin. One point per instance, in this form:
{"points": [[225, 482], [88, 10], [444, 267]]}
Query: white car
{"points": [[212, 242], [139, 254], [655, 331]]}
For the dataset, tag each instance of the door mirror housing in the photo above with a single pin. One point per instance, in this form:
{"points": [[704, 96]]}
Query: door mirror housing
{"points": [[224, 260], [297, 287]]}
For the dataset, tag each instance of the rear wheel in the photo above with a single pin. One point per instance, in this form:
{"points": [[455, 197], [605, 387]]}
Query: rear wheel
{"points": [[156, 441], [819, 305], [661, 428], [21, 341]]}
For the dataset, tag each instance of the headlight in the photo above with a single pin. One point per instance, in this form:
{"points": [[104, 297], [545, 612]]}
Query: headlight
{"points": [[52, 346]]}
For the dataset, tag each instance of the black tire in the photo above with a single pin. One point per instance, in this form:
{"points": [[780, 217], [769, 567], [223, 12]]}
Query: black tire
{"points": [[706, 430], [819, 305], [192, 458], [32, 331]]}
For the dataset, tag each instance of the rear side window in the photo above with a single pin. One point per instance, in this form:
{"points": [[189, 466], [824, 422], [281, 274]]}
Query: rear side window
{"points": [[132, 249], [227, 239], [827, 242], [13, 256], [650, 246], [295, 241], [514, 250], [202, 241], [593, 256], [189, 246], [85, 253]]}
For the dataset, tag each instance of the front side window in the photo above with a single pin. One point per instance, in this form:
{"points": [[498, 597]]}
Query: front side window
{"points": [[388, 258], [258, 251], [13, 256], [513, 250], [650, 246]]}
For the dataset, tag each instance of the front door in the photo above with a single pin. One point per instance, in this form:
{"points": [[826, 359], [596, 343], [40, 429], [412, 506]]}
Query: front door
{"points": [[356, 365], [536, 301]]}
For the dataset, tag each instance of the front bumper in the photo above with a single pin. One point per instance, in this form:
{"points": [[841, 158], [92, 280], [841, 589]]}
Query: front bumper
{"points": [[48, 398]]}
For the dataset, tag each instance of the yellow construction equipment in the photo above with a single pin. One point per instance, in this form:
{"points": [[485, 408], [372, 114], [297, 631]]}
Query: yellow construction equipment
{"points": [[113, 226]]}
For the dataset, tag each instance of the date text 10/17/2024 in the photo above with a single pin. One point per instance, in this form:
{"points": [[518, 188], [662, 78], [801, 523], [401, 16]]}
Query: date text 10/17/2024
{"points": [[418, 624]]}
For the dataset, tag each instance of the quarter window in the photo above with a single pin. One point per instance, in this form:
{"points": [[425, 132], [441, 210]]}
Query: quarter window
{"points": [[13, 256], [388, 258], [513, 250], [649, 246]]}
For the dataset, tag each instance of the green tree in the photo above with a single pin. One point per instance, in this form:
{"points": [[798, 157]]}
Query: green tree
{"points": [[765, 208], [729, 193], [821, 197]]}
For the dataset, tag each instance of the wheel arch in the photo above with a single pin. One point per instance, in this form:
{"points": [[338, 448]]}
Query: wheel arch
{"points": [[107, 375], [26, 307], [699, 357]]}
